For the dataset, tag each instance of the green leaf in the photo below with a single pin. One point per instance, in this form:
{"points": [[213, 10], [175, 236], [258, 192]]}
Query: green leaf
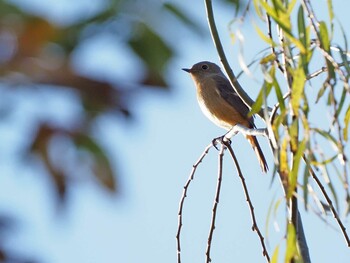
{"points": [[304, 39], [268, 59], [284, 168], [187, 20], [278, 14], [321, 92], [327, 136], [297, 89], [330, 10], [279, 6], [293, 130], [264, 37], [291, 7], [345, 61], [326, 161], [346, 122], [101, 166], [279, 95], [341, 102], [274, 258], [293, 176], [266, 88], [326, 45], [291, 249], [305, 183], [154, 52]]}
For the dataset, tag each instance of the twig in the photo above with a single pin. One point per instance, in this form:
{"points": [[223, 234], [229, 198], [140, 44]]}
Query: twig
{"points": [[330, 203], [251, 207], [244, 130], [312, 18], [184, 194], [316, 73], [216, 202]]}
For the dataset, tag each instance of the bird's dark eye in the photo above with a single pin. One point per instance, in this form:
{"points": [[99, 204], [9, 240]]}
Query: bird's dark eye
{"points": [[205, 67]]}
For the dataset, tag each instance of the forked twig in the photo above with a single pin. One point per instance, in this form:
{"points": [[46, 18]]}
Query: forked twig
{"points": [[330, 203], [216, 202], [182, 200], [251, 207]]}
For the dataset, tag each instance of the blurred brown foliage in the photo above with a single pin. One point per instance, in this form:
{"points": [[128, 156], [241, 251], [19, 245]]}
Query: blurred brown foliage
{"points": [[37, 53]]}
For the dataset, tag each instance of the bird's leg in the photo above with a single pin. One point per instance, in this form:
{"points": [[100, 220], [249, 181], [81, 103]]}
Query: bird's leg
{"points": [[221, 139]]}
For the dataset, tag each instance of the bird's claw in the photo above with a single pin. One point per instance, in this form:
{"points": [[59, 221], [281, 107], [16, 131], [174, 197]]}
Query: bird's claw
{"points": [[221, 140]]}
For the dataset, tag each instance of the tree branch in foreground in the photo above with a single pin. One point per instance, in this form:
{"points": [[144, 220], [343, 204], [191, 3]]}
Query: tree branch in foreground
{"points": [[216, 202], [251, 207], [184, 195]]}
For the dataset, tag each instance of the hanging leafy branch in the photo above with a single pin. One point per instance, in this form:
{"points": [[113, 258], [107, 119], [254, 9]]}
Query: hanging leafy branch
{"points": [[301, 142]]}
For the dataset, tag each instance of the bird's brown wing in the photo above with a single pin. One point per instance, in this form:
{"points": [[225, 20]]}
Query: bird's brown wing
{"points": [[231, 97]]}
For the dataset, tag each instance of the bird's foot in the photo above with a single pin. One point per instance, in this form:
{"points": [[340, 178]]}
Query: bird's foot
{"points": [[221, 139]]}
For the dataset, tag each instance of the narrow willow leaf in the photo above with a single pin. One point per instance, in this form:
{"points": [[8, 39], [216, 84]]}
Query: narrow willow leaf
{"points": [[321, 92], [346, 122], [303, 38], [279, 6], [274, 258], [297, 89], [266, 88], [293, 176], [325, 44], [330, 10], [291, 249], [305, 183], [268, 59], [264, 37], [279, 14], [341, 102], [344, 58], [284, 169], [327, 136], [279, 95], [294, 134], [258, 10], [291, 7], [326, 161]]}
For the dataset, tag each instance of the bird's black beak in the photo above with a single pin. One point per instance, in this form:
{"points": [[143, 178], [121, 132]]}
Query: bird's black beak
{"points": [[187, 70]]}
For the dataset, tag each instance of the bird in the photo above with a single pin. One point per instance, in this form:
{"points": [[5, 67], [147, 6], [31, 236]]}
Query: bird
{"points": [[221, 104]]}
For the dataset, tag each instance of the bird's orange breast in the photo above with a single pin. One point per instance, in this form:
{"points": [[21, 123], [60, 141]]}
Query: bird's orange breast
{"points": [[216, 108]]}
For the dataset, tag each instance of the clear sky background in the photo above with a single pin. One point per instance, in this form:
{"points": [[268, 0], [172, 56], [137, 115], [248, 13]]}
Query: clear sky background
{"points": [[154, 155]]}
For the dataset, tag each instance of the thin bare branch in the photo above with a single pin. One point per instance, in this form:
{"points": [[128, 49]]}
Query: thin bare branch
{"points": [[244, 130], [184, 195], [251, 207], [316, 73], [216, 202], [330, 203]]}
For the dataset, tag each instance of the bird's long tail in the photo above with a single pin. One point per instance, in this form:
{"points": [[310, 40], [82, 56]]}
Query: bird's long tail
{"points": [[256, 147]]}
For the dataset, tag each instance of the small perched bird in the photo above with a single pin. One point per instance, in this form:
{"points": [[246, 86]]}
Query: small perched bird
{"points": [[220, 103]]}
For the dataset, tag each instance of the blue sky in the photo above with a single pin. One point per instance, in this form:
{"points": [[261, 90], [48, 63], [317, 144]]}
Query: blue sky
{"points": [[154, 155]]}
